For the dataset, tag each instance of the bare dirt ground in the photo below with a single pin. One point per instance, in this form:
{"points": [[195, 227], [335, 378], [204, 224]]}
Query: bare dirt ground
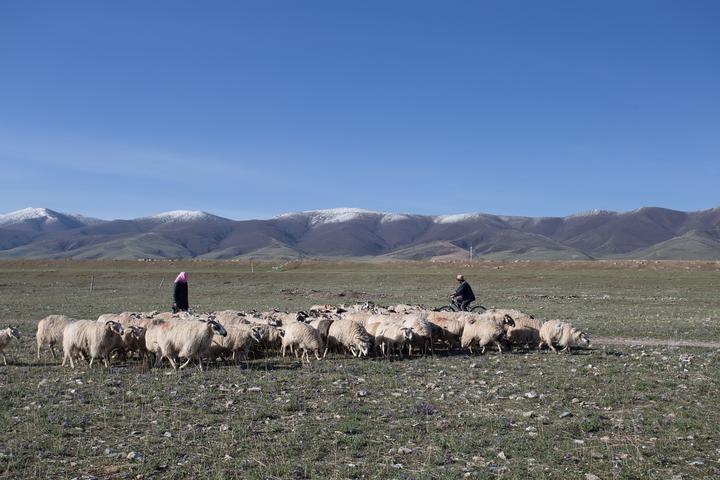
{"points": [[653, 342]]}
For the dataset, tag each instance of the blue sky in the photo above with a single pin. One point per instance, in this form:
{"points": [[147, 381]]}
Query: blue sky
{"points": [[251, 109]]}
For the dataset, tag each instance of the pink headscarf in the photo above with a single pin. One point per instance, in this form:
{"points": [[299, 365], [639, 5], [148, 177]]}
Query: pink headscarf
{"points": [[182, 278]]}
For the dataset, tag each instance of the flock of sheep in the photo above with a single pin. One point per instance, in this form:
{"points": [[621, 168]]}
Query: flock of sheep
{"points": [[361, 330]]}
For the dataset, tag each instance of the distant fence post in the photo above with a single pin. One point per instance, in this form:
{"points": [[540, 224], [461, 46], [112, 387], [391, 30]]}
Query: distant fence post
{"points": [[252, 267], [92, 282], [161, 282]]}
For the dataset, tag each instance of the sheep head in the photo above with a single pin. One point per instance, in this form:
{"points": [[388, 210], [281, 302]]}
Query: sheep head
{"points": [[13, 333], [580, 338], [508, 321], [136, 333], [408, 333], [114, 327], [257, 334], [217, 328]]}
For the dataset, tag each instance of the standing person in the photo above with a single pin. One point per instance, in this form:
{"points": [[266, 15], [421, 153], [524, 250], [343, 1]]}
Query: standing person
{"points": [[463, 294], [180, 294]]}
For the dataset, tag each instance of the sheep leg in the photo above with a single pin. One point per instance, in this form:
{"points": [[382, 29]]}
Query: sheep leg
{"points": [[187, 362], [499, 346], [92, 359], [283, 350], [200, 365], [482, 350], [325, 352], [106, 361], [4, 358], [552, 348], [566, 349], [38, 351], [317, 354], [409, 349], [297, 351], [172, 362]]}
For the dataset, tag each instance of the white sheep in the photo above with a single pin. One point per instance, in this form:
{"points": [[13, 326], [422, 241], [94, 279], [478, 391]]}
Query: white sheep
{"points": [[451, 325], [5, 336], [348, 335], [152, 339], [230, 317], [271, 337], [484, 329], [301, 336], [562, 334], [526, 331], [405, 308], [188, 339], [362, 317], [424, 332], [322, 325], [50, 332], [389, 336], [91, 338], [237, 342], [133, 341]]}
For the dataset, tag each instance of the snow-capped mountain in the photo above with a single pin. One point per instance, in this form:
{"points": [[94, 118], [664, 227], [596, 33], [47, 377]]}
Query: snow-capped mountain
{"points": [[352, 232], [42, 219], [175, 216]]}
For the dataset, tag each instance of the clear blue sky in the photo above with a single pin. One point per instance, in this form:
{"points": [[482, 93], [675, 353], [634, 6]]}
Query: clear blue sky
{"points": [[250, 109]]}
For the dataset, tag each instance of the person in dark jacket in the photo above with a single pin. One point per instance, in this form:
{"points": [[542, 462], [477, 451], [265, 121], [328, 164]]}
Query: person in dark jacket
{"points": [[463, 295], [180, 293]]}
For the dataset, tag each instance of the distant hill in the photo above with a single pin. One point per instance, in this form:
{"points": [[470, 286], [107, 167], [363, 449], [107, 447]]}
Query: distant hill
{"points": [[652, 233]]}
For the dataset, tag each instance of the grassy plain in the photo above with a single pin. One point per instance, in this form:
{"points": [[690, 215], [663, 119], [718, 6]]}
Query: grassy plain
{"points": [[613, 412]]}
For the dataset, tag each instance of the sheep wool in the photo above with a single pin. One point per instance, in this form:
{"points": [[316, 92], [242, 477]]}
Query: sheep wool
{"points": [[89, 337], [301, 336], [562, 334], [6, 335], [50, 332]]}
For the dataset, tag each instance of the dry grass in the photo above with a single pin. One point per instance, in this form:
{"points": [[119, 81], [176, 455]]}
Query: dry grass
{"points": [[616, 412]]}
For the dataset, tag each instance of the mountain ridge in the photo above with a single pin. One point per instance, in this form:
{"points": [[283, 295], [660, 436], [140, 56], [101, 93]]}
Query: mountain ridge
{"points": [[647, 232]]}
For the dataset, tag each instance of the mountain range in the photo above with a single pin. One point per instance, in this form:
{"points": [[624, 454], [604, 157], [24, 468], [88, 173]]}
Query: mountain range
{"points": [[645, 233]]}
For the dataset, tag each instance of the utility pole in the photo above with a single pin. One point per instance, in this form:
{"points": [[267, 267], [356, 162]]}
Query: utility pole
{"points": [[470, 252]]}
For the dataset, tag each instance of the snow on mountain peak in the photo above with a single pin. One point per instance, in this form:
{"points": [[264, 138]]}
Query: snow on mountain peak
{"points": [[456, 218], [331, 215], [29, 213], [181, 216]]}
